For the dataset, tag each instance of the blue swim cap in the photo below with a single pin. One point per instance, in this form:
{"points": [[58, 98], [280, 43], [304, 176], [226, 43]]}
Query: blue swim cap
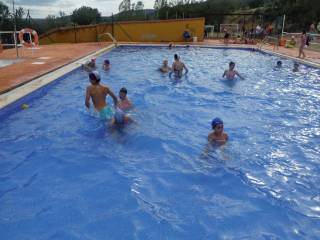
{"points": [[216, 122], [106, 61], [119, 116]]}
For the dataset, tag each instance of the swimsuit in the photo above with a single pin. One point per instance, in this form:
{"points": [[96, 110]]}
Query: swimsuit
{"points": [[106, 113]]}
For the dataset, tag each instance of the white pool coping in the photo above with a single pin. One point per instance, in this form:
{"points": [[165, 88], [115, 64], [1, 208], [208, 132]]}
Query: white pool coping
{"points": [[21, 91], [17, 93]]}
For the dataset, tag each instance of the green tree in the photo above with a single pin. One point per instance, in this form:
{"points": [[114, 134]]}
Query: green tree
{"points": [[139, 6], [85, 15], [125, 5]]}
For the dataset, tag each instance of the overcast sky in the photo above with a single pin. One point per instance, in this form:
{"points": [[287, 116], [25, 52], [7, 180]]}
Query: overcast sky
{"points": [[42, 8]]}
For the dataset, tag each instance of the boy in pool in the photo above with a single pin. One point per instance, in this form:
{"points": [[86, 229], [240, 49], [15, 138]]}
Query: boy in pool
{"points": [[231, 73], [124, 103], [178, 66], [106, 65], [279, 64], [90, 66], [295, 67], [217, 135], [165, 67], [98, 93]]}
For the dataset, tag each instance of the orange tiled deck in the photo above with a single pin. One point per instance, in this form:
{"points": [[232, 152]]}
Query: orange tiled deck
{"points": [[55, 56], [52, 56]]}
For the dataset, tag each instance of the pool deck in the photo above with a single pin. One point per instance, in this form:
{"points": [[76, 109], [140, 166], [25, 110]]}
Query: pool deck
{"points": [[35, 64]]}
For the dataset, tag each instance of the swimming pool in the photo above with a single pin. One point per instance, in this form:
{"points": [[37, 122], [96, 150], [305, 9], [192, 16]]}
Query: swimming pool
{"points": [[64, 175]]}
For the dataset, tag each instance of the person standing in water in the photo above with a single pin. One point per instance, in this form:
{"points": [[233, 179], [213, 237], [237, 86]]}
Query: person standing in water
{"points": [[231, 73], [178, 66], [217, 135], [98, 93]]}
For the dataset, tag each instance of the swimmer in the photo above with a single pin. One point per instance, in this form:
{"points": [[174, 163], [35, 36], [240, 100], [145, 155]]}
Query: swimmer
{"points": [[279, 64], [295, 67], [171, 45], [231, 73], [120, 118], [217, 135], [124, 103], [106, 65], [98, 93], [165, 67], [178, 66], [90, 66]]}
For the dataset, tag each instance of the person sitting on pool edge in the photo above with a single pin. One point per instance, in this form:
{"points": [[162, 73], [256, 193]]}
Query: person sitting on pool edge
{"points": [[217, 135], [124, 103], [106, 65], [177, 67], [165, 67], [98, 93], [231, 73], [90, 66]]}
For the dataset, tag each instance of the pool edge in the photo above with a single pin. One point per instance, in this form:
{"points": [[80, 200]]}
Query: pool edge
{"points": [[13, 95]]}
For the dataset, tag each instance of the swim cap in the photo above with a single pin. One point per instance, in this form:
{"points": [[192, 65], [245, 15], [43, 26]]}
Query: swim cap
{"points": [[216, 122], [124, 90], [106, 61], [119, 116], [94, 75]]}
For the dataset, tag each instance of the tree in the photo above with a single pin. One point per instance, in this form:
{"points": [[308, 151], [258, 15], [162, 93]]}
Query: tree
{"points": [[85, 16], [125, 5], [139, 6]]}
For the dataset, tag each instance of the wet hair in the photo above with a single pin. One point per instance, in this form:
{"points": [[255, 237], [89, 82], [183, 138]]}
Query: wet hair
{"points": [[231, 63], [279, 63], [106, 61], [296, 64], [123, 90], [176, 57], [94, 76], [304, 32]]}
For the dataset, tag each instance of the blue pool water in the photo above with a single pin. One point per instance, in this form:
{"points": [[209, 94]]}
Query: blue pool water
{"points": [[65, 175]]}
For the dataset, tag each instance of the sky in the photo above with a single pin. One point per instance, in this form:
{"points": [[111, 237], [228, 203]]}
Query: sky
{"points": [[42, 8]]}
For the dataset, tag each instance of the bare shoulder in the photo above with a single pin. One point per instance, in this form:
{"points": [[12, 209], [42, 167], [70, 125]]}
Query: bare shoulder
{"points": [[226, 136], [211, 136]]}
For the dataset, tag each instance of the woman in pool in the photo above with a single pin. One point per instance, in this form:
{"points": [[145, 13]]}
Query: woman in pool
{"points": [[98, 94], [217, 135]]}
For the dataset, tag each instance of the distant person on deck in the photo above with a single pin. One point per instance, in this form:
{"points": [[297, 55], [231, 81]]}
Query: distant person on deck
{"points": [[186, 35], [226, 36], [124, 102], [217, 135], [98, 93], [178, 66], [165, 67], [90, 66], [303, 42], [231, 73]]}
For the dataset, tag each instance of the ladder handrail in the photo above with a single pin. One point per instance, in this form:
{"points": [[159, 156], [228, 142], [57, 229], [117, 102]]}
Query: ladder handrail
{"points": [[109, 35]]}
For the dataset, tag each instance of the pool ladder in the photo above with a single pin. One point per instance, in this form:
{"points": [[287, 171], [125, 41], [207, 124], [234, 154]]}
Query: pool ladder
{"points": [[109, 35]]}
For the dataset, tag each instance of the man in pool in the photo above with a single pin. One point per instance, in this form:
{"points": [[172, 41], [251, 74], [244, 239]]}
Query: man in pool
{"points": [[231, 73], [279, 64], [178, 66], [217, 135], [165, 67], [98, 93], [124, 103]]}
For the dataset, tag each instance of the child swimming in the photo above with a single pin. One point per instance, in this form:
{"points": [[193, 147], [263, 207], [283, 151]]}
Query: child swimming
{"points": [[90, 66], [295, 67], [106, 65], [178, 66], [231, 73], [124, 103], [279, 64], [217, 135], [98, 93], [165, 67]]}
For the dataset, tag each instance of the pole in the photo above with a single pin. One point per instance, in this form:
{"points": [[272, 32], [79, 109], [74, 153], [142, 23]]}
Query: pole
{"points": [[112, 26], [15, 30], [283, 22]]}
